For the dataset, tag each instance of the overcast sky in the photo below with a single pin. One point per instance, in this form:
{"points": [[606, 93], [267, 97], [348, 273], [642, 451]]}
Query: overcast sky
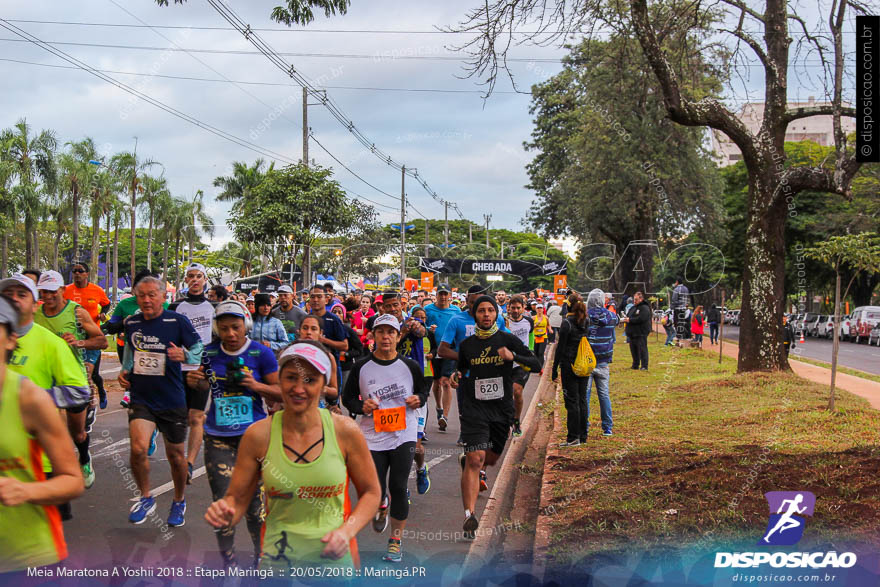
{"points": [[469, 151]]}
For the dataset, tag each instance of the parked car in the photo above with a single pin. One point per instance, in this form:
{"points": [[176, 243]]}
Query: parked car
{"points": [[874, 335], [810, 323], [734, 317], [864, 319], [844, 327], [825, 327]]}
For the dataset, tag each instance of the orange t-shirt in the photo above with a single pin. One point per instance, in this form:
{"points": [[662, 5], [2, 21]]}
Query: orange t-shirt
{"points": [[90, 297]]}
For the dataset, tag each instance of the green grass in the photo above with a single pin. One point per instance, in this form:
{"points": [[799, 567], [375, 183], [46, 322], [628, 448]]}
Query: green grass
{"points": [[691, 435]]}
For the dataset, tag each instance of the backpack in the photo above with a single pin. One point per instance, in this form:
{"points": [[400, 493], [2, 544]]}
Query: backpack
{"points": [[585, 360]]}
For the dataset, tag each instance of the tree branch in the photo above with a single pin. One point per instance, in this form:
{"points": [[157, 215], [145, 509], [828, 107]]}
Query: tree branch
{"points": [[821, 179], [806, 111]]}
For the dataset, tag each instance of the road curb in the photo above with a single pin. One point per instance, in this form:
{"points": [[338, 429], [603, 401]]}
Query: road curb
{"points": [[492, 512], [542, 524]]}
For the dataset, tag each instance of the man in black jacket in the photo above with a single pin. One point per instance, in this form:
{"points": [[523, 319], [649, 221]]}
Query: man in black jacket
{"points": [[638, 327], [713, 317]]}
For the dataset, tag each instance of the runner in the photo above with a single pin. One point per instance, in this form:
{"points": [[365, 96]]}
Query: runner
{"points": [[96, 303], [541, 329], [438, 316], [267, 329], [126, 307], [520, 326], [200, 311], [237, 373], [333, 333], [423, 479], [71, 322], [388, 389], [30, 525], [44, 358], [310, 329], [287, 312], [157, 342], [485, 366], [305, 457]]}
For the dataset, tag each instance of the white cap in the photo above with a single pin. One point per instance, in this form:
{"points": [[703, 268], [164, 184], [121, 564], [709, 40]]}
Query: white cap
{"points": [[309, 352], [50, 280], [231, 308], [196, 267], [22, 280], [386, 320], [285, 289], [250, 298], [539, 305]]}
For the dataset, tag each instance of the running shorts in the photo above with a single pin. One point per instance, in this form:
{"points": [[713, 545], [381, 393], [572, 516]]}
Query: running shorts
{"points": [[520, 375], [171, 423], [92, 356], [484, 435], [196, 399]]}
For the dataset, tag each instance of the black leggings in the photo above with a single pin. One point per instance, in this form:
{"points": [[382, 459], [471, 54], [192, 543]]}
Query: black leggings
{"points": [[395, 465], [540, 347], [574, 392], [220, 454], [96, 377]]}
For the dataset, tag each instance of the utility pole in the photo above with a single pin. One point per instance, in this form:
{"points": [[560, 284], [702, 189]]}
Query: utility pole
{"points": [[402, 228], [427, 242], [470, 232], [307, 250], [487, 218], [445, 228], [502, 250], [305, 127], [133, 188]]}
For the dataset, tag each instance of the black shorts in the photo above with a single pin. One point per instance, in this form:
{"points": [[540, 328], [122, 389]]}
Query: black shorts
{"points": [[171, 423], [520, 375], [437, 365], [196, 399], [484, 435], [449, 367], [78, 409]]}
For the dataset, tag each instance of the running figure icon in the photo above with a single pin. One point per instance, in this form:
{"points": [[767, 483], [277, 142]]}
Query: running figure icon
{"points": [[786, 525]]}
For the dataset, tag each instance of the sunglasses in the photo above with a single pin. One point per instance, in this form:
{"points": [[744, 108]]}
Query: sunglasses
{"points": [[80, 271]]}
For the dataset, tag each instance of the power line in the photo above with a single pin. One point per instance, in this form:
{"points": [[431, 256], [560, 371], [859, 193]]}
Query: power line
{"points": [[251, 83]]}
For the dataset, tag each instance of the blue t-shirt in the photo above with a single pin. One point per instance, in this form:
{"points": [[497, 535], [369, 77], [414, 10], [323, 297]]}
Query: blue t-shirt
{"points": [[463, 326], [149, 342], [238, 408], [413, 347], [440, 317], [332, 328]]}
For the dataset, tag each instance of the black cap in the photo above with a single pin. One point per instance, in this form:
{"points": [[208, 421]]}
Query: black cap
{"points": [[476, 289], [443, 287]]}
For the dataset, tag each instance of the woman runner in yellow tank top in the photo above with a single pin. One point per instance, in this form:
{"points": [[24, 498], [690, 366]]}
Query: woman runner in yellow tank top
{"points": [[30, 525], [305, 457]]}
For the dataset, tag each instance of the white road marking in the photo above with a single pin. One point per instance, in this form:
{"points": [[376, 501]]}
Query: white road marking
{"points": [[112, 449], [432, 463], [166, 487]]}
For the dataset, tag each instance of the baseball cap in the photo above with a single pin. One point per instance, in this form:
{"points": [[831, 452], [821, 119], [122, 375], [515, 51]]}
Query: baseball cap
{"points": [[196, 267], [8, 314], [230, 308], [22, 280], [476, 289], [539, 305], [386, 320], [443, 287], [50, 281], [308, 352], [285, 289]]}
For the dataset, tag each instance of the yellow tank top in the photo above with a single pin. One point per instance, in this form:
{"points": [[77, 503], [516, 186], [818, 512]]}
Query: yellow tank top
{"points": [[304, 501], [540, 328], [30, 535]]}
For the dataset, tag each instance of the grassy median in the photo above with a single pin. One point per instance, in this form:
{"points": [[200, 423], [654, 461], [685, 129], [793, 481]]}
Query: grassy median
{"points": [[695, 448]]}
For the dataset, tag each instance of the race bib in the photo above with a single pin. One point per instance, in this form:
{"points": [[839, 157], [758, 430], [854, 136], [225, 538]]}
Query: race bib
{"points": [[390, 419], [232, 411], [147, 363], [491, 388]]}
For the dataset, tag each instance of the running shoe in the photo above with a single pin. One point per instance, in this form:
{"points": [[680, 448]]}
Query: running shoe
{"points": [[517, 431], [461, 442], [126, 400], [88, 474], [570, 443], [178, 509], [143, 508], [423, 480], [394, 554], [91, 414], [103, 401], [424, 438], [470, 523], [189, 473], [152, 448], [408, 497], [380, 521], [607, 432], [442, 423], [484, 481]]}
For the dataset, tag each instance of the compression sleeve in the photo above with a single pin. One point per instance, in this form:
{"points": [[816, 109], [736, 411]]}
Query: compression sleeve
{"points": [[127, 358], [193, 355], [351, 394]]}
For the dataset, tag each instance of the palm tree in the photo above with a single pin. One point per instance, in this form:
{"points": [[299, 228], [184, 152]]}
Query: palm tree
{"points": [[32, 156], [77, 178], [155, 196], [243, 179], [8, 213], [199, 221], [103, 196], [173, 217], [130, 173]]}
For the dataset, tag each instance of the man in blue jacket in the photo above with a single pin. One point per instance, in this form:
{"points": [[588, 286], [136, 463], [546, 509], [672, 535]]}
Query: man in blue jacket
{"points": [[600, 334]]}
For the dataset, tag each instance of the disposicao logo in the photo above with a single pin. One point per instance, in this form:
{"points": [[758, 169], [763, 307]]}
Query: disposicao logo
{"points": [[788, 511]]}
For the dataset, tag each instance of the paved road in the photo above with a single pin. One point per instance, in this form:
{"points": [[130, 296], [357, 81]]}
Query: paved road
{"points": [[857, 356], [100, 535]]}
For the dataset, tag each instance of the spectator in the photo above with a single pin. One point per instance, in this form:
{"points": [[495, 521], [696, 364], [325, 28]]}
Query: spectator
{"points": [[713, 317], [668, 321], [788, 338], [601, 335], [638, 327], [266, 329], [697, 324], [679, 304], [217, 293]]}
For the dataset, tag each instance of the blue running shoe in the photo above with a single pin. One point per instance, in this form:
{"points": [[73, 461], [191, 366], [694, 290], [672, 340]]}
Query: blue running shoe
{"points": [[394, 553], [423, 480], [143, 508], [178, 508], [103, 402], [152, 448]]}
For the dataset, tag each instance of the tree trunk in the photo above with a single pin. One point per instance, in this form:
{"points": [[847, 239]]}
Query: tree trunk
{"points": [[176, 262], [150, 242], [307, 266], [133, 236], [835, 348], [107, 265], [165, 258], [115, 257], [4, 255], [75, 200], [93, 267], [763, 302], [36, 237], [55, 250]]}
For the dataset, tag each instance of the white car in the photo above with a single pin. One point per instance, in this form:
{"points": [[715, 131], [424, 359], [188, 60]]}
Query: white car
{"points": [[825, 327]]}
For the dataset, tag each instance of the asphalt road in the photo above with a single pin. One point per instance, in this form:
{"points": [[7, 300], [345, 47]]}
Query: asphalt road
{"points": [[100, 536], [856, 356]]}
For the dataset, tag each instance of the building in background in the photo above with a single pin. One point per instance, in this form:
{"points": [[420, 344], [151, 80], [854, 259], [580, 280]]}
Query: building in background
{"points": [[819, 129]]}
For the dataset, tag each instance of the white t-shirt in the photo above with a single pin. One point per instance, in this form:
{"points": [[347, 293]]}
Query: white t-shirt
{"points": [[390, 383], [202, 318]]}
